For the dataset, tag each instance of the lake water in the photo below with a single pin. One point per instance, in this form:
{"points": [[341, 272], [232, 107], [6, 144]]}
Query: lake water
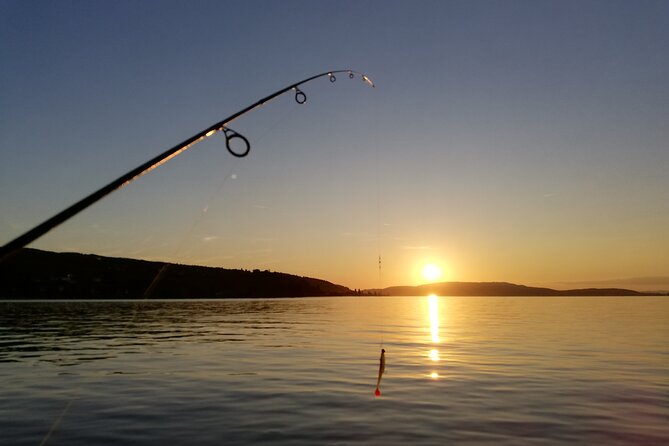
{"points": [[459, 370]]}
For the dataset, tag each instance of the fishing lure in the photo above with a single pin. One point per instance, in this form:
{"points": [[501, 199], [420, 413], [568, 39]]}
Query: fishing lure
{"points": [[382, 368]]}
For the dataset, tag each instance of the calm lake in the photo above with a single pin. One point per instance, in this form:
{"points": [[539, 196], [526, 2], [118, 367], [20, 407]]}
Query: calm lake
{"points": [[459, 370]]}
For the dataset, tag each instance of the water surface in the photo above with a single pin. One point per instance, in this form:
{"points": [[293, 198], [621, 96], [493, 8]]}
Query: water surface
{"points": [[460, 370]]}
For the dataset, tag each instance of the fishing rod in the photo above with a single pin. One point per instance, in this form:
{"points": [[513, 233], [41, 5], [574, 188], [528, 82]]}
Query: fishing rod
{"points": [[221, 126]]}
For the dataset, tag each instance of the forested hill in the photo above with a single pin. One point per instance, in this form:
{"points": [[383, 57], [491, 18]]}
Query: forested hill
{"points": [[35, 274]]}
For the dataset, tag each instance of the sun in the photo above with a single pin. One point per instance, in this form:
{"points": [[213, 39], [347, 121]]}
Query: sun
{"points": [[431, 272]]}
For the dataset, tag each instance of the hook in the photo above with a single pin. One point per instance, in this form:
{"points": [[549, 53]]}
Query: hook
{"points": [[300, 97], [229, 136], [332, 77], [351, 75]]}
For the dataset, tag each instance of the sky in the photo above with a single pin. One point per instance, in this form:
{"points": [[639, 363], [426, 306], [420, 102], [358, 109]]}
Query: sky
{"points": [[520, 141]]}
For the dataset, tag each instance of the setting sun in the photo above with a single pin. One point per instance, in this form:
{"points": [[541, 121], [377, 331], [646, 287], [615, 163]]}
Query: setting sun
{"points": [[431, 272]]}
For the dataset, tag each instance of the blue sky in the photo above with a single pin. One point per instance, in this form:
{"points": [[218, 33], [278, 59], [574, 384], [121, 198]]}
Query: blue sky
{"points": [[523, 141]]}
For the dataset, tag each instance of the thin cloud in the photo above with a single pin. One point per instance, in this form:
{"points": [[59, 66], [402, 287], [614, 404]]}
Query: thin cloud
{"points": [[417, 248]]}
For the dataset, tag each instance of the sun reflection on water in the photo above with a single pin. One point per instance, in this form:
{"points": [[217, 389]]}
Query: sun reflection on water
{"points": [[433, 305], [433, 312]]}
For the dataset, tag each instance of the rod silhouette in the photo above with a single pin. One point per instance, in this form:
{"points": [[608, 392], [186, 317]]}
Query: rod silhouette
{"points": [[221, 126]]}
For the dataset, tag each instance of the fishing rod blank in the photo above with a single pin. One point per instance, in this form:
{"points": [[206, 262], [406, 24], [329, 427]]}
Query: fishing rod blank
{"points": [[222, 126]]}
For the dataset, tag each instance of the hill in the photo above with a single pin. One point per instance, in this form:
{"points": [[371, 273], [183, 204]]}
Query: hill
{"points": [[498, 289], [35, 274], [657, 284]]}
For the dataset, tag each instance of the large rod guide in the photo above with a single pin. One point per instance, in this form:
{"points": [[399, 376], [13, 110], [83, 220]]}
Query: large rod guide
{"points": [[222, 126]]}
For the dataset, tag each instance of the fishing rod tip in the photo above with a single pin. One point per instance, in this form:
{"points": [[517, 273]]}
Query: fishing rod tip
{"points": [[368, 81]]}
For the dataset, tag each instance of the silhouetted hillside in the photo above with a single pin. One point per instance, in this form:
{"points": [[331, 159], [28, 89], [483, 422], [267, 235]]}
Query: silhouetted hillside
{"points": [[35, 274], [498, 289]]}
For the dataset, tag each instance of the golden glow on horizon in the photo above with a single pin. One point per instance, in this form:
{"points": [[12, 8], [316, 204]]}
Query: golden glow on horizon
{"points": [[429, 269], [431, 272]]}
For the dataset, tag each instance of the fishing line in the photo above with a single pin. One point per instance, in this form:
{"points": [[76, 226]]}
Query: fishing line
{"points": [[56, 422], [379, 188], [215, 193], [378, 215], [379, 235]]}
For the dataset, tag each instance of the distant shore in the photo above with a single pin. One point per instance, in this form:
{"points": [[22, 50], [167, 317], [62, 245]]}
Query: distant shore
{"points": [[502, 289], [36, 274]]}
